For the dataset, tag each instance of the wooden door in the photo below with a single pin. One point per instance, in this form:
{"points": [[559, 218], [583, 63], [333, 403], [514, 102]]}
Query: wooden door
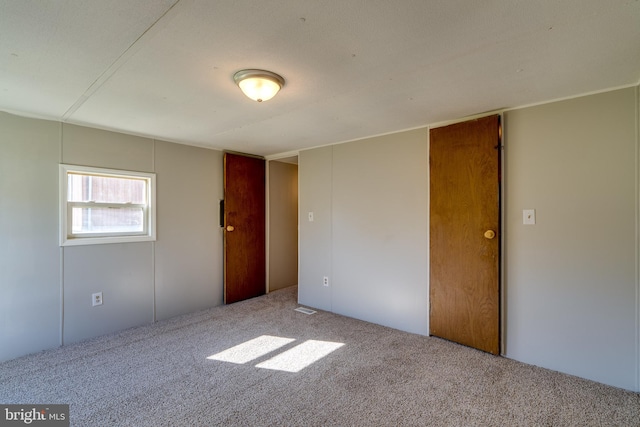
{"points": [[464, 232], [244, 227]]}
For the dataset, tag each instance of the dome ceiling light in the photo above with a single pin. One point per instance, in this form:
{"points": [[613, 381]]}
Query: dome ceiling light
{"points": [[259, 85]]}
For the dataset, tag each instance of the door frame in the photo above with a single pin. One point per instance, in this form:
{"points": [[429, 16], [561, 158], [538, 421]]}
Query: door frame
{"points": [[502, 311]]}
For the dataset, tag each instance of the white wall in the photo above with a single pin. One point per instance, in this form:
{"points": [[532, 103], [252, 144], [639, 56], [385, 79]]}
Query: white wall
{"points": [[46, 290], [571, 279], [315, 242], [371, 198], [122, 272], [188, 252], [30, 292]]}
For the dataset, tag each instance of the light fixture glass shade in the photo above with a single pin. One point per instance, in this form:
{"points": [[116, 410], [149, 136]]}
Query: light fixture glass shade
{"points": [[259, 85]]}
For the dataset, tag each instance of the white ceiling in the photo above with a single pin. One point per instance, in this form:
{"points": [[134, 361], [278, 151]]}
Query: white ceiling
{"points": [[354, 68]]}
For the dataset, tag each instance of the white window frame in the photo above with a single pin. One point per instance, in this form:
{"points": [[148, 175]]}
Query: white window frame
{"points": [[67, 238]]}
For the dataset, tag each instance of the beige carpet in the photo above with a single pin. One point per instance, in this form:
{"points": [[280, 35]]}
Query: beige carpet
{"points": [[161, 375]]}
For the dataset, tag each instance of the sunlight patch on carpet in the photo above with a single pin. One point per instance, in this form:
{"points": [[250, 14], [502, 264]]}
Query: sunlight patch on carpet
{"points": [[301, 356], [305, 310], [251, 350], [292, 360]]}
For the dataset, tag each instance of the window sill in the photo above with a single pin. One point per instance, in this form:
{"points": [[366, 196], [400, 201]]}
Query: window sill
{"points": [[82, 241]]}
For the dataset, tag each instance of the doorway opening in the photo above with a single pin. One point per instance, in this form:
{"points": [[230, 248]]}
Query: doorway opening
{"points": [[282, 223]]}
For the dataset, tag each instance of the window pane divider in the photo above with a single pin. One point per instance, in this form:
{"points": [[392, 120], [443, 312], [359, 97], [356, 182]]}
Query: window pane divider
{"points": [[107, 205]]}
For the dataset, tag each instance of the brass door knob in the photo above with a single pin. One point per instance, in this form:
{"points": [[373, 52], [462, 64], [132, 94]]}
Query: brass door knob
{"points": [[230, 228], [489, 234]]}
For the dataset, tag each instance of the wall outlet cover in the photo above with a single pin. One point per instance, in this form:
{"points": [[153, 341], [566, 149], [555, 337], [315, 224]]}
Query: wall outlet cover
{"points": [[529, 216], [96, 299]]}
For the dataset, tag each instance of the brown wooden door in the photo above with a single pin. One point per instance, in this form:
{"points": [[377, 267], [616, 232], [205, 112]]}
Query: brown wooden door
{"points": [[464, 205], [244, 227]]}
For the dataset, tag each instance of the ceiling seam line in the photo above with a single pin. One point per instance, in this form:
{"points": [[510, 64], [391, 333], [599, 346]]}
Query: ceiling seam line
{"points": [[120, 61]]}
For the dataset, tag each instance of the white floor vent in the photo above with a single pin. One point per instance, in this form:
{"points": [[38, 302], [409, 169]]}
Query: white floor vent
{"points": [[305, 310]]}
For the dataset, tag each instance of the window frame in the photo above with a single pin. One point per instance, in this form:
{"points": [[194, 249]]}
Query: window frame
{"points": [[68, 238]]}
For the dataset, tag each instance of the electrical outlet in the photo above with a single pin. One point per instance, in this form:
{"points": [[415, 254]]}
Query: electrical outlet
{"points": [[529, 216], [325, 281], [96, 299]]}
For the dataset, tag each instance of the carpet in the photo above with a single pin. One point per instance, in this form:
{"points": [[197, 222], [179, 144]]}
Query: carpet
{"points": [[261, 363]]}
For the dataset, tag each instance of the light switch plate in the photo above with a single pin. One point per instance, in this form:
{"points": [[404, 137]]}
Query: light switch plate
{"points": [[529, 216], [310, 216]]}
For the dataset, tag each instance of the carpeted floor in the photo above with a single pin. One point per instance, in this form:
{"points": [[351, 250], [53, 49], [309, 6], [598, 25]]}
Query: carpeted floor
{"points": [[160, 375]]}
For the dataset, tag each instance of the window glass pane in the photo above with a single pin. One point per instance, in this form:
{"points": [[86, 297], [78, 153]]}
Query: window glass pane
{"points": [[106, 220], [105, 189]]}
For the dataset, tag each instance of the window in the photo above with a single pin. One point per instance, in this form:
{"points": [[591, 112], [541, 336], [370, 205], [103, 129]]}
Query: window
{"points": [[105, 206]]}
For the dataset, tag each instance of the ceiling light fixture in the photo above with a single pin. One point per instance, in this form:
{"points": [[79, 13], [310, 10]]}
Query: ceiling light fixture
{"points": [[259, 85]]}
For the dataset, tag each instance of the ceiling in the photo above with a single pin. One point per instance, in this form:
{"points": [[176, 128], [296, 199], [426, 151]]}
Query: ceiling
{"points": [[353, 68]]}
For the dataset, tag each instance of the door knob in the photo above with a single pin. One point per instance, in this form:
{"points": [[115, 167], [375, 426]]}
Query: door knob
{"points": [[230, 228], [489, 234]]}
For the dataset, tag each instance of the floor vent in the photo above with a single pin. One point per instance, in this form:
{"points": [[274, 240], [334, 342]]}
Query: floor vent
{"points": [[305, 310]]}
